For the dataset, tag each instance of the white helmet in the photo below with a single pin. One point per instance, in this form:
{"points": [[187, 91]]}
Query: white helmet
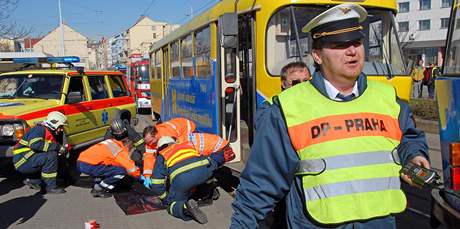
{"points": [[165, 140], [55, 119]]}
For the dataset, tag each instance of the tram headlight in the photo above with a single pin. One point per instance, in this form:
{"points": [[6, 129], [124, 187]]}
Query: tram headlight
{"points": [[7, 130]]}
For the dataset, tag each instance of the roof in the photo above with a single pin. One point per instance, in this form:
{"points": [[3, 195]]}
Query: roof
{"points": [[30, 42]]}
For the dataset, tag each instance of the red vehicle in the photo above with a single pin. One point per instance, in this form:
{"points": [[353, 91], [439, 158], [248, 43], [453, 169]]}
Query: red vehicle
{"points": [[140, 82]]}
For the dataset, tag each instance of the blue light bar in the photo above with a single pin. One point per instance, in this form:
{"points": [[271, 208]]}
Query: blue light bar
{"points": [[51, 60], [26, 60], [63, 59]]}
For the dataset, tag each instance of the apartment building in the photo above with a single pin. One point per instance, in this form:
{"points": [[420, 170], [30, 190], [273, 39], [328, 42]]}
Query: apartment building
{"points": [[422, 27], [75, 44], [144, 33], [137, 39]]}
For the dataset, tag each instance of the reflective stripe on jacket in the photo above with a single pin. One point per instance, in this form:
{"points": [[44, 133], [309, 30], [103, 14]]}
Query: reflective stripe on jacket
{"points": [[37, 139], [149, 161], [110, 152], [176, 127], [178, 152], [345, 150], [206, 144]]}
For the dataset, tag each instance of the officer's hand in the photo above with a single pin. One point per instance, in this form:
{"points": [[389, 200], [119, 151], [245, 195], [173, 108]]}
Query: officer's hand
{"points": [[418, 160]]}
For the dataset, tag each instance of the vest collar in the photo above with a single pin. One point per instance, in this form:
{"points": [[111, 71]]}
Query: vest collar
{"points": [[318, 82]]}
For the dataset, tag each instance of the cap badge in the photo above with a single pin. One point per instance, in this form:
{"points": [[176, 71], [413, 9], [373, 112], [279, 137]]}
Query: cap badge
{"points": [[345, 10]]}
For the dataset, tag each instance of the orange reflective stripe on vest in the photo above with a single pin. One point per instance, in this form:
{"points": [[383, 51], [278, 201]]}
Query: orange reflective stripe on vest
{"points": [[337, 127]]}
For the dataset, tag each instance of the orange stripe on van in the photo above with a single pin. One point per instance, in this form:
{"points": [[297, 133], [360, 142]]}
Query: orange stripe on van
{"points": [[337, 127]]}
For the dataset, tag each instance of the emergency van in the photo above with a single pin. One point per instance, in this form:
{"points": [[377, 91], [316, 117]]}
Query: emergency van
{"points": [[89, 99]]}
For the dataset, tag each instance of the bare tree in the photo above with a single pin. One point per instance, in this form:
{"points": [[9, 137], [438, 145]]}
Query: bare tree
{"points": [[8, 29]]}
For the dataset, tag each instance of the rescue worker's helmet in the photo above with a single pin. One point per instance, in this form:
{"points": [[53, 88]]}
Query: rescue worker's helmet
{"points": [[118, 129], [165, 141], [55, 119]]}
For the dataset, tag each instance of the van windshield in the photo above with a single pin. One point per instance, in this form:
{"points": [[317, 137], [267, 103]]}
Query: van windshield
{"points": [[41, 86]]}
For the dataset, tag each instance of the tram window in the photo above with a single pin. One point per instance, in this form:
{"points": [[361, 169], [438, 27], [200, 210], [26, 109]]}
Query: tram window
{"points": [[203, 53], [175, 61], [118, 87], [383, 51], [452, 59], [158, 64], [187, 53]]}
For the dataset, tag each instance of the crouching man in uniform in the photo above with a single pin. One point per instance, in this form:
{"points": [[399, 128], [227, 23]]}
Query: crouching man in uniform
{"points": [[108, 162], [180, 165], [38, 150]]}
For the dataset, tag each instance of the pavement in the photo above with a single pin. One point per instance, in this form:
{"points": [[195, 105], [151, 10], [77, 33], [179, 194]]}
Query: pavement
{"points": [[22, 207]]}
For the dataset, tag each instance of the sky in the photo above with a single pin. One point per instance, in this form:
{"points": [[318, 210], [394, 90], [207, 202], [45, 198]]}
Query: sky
{"points": [[97, 18]]}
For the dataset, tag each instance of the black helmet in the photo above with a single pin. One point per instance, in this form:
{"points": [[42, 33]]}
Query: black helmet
{"points": [[118, 129]]}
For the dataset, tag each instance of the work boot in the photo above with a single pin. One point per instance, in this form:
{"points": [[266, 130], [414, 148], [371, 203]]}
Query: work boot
{"points": [[100, 193], [31, 184], [55, 191], [191, 209]]}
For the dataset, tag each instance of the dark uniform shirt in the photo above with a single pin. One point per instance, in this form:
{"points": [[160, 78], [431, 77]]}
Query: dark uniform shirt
{"points": [[269, 172]]}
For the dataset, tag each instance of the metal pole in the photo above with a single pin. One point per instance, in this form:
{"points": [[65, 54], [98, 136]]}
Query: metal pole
{"points": [[62, 30]]}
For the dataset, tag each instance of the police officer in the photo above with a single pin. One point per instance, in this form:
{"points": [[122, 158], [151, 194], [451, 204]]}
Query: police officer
{"points": [[333, 142], [38, 150], [119, 130]]}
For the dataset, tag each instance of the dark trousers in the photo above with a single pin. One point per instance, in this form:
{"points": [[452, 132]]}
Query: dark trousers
{"points": [[431, 90], [182, 184], [106, 176], [45, 162]]}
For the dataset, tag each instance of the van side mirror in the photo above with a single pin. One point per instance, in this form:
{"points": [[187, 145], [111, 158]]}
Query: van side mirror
{"points": [[228, 23]]}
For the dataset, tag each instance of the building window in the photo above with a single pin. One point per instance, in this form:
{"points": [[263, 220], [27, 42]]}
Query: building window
{"points": [[403, 26], [425, 4], [403, 7], [424, 25], [154, 36], [431, 56], [446, 3], [444, 23]]}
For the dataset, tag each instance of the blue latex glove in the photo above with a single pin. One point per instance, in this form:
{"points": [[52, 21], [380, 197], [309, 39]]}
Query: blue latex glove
{"points": [[147, 181]]}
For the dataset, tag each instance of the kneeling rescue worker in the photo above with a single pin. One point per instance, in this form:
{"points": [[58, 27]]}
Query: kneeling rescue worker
{"points": [[184, 168], [119, 129], [108, 162], [178, 128], [38, 150]]}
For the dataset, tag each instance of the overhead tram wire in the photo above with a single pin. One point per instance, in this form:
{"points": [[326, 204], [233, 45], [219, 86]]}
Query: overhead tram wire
{"points": [[200, 10], [148, 8]]}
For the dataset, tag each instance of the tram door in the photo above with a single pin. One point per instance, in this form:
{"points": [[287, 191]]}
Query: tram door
{"points": [[230, 81], [246, 52], [167, 92]]}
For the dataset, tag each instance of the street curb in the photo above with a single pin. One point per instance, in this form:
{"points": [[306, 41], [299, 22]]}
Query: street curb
{"points": [[428, 126]]}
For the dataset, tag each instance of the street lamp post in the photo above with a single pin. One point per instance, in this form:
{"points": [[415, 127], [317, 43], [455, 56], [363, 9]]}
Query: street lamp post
{"points": [[62, 29]]}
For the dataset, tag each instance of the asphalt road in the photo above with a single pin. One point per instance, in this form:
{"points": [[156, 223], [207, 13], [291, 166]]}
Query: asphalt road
{"points": [[21, 207]]}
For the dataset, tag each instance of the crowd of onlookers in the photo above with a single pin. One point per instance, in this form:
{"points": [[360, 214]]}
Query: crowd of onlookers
{"points": [[424, 76]]}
